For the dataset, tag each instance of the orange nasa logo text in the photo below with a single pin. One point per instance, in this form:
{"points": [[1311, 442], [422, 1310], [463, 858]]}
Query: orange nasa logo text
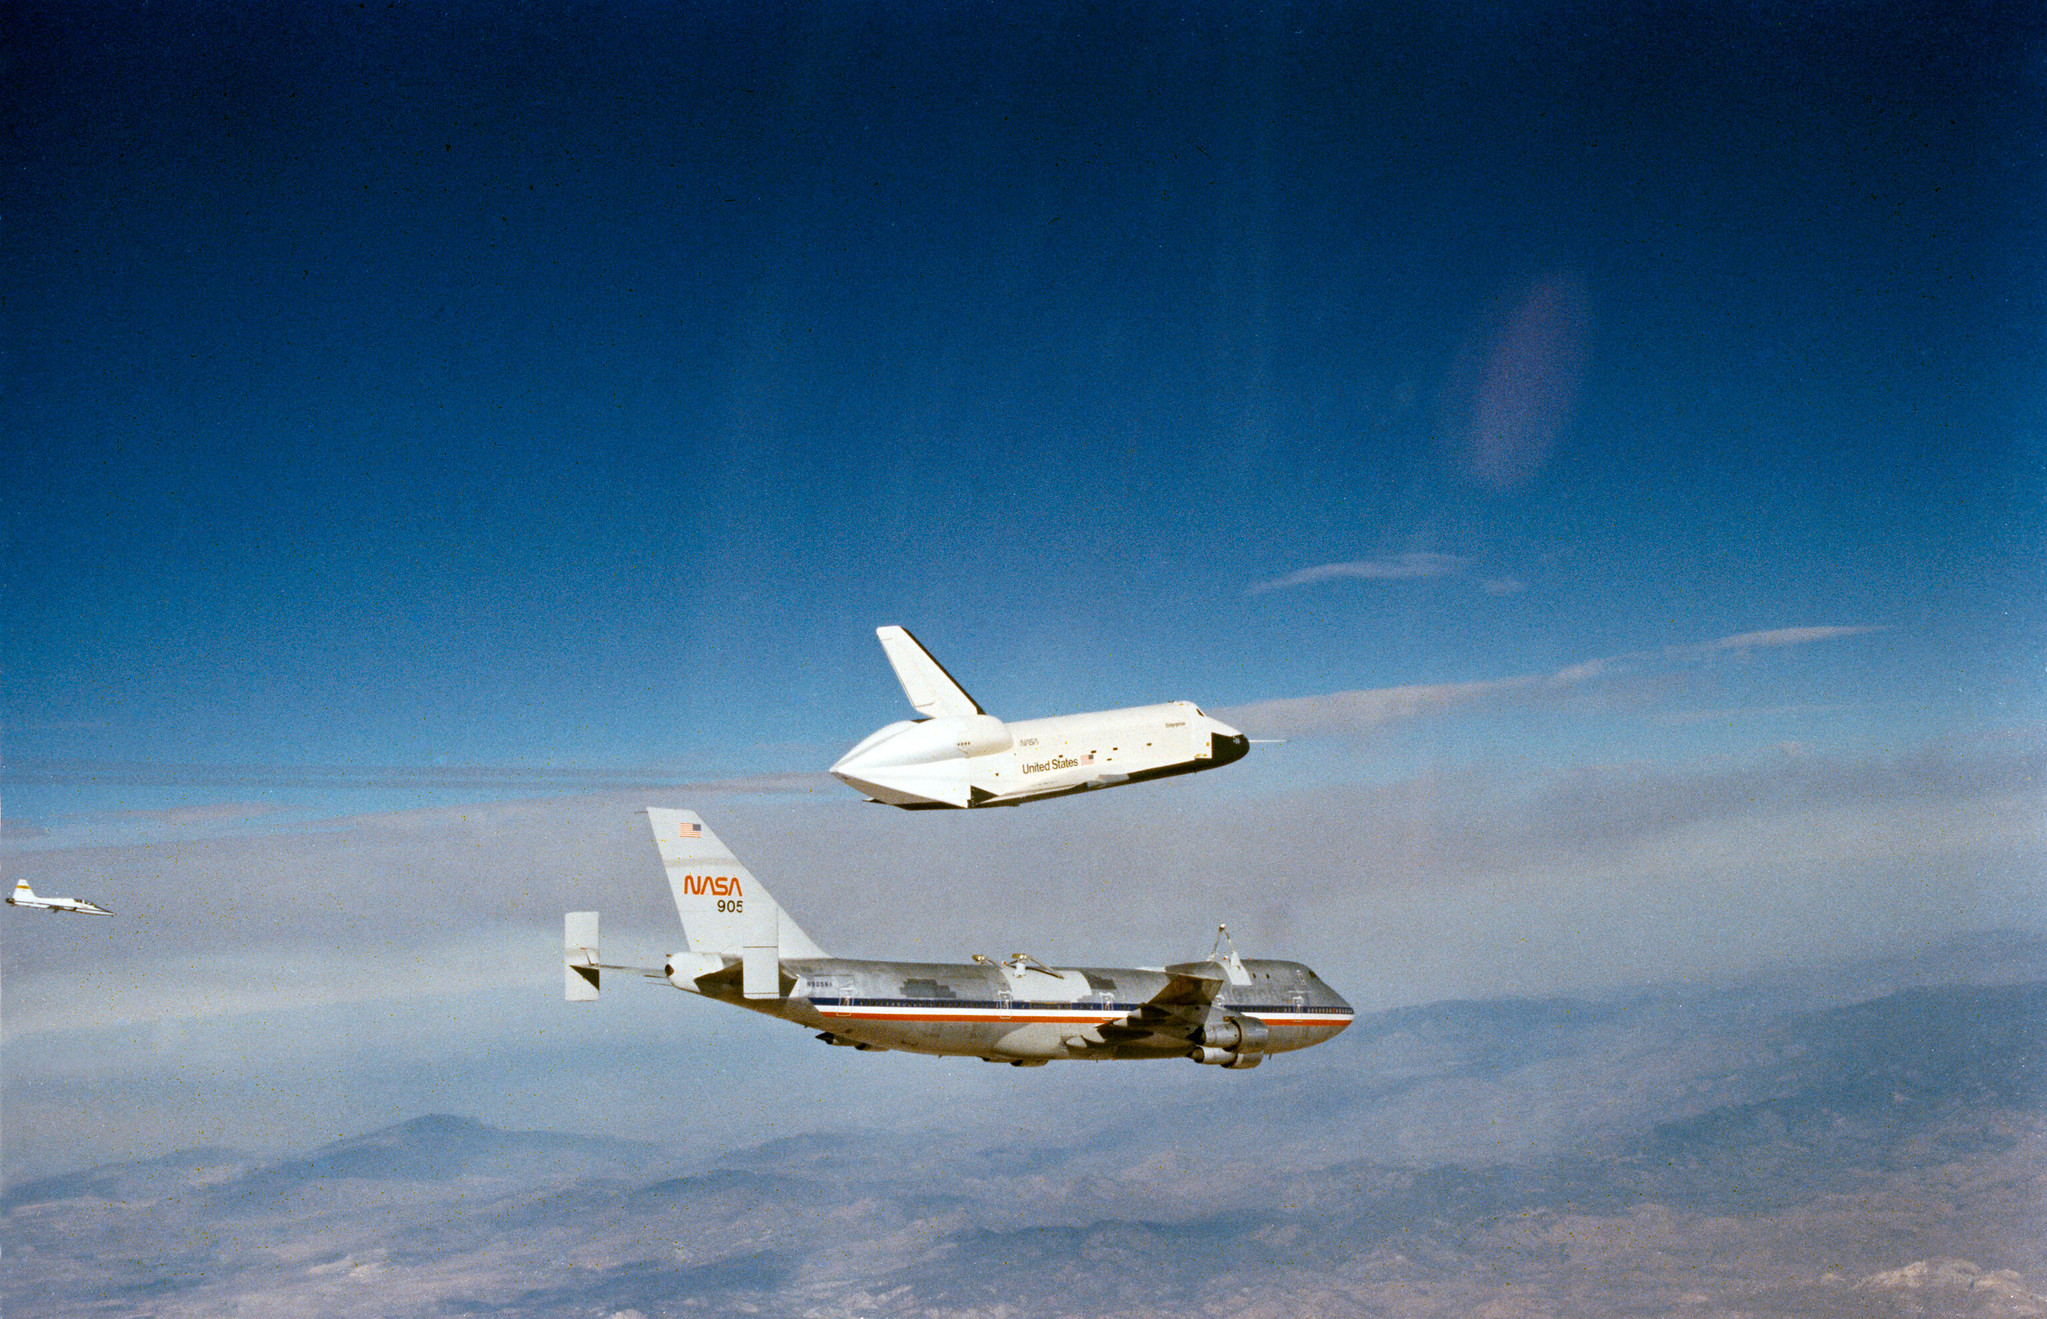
{"points": [[723, 886]]}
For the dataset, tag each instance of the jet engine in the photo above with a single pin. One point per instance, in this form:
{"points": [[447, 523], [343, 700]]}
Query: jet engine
{"points": [[1234, 1041], [684, 969], [1236, 1034]]}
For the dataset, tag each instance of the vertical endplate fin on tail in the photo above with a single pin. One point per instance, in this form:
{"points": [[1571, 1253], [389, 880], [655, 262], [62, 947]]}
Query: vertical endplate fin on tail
{"points": [[579, 956], [760, 973], [932, 691]]}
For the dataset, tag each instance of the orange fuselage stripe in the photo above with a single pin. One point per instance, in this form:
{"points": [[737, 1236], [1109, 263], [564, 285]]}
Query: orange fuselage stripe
{"points": [[855, 1014]]}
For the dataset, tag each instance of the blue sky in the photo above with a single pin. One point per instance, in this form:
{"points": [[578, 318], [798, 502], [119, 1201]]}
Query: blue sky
{"points": [[391, 388], [412, 410]]}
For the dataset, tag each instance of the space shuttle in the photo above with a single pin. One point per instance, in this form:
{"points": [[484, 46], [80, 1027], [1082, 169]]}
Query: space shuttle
{"points": [[24, 896], [958, 756]]}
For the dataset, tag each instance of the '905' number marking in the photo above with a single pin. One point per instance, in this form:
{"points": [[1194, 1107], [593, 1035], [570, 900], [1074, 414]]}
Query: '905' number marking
{"points": [[731, 904]]}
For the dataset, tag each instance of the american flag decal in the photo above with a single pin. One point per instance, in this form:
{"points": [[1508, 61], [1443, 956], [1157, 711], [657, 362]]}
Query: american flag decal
{"points": [[692, 830]]}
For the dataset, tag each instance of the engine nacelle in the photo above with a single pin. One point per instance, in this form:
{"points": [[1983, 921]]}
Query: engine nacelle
{"points": [[1209, 1056], [1236, 1034]]}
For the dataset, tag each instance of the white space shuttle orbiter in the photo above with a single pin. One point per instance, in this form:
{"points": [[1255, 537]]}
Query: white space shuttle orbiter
{"points": [[24, 896], [959, 755]]}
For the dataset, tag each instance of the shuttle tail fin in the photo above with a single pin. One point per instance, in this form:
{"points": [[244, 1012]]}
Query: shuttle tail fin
{"points": [[930, 688], [724, 909]]}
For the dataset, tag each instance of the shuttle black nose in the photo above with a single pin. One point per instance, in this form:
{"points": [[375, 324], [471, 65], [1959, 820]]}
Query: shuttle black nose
{"points": [[1226, 749]]}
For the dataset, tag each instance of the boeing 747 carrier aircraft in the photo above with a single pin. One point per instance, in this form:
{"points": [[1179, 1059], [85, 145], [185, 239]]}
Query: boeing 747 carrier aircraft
{"points": [[743, 950], [959, 755]]}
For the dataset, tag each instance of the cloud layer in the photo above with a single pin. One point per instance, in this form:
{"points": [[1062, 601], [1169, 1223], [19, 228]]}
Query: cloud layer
{"points": [[1764, 1151]]}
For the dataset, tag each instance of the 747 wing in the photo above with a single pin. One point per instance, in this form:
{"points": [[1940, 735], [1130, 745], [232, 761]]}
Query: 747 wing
{"points": [[1173, 1017]]}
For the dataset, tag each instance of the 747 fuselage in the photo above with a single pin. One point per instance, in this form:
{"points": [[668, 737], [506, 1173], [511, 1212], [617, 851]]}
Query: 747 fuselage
{"points": [[744, 950], [1020, 1011]]}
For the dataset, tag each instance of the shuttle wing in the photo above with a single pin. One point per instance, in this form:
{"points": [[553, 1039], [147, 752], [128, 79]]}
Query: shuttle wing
{"points": [[978, 796], [930, 688]]}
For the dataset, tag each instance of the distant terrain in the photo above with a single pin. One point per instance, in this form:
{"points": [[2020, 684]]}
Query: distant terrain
{"points": [[1735, 1153]]}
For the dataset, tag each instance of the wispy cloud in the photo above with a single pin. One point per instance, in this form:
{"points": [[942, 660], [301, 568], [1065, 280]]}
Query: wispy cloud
{"points": [[276, 976], [122, 773], [1370, 708], [503, 791], [1400, 567], [1682, 718], [1782, 636], [1362, 711], [215, 813]]}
